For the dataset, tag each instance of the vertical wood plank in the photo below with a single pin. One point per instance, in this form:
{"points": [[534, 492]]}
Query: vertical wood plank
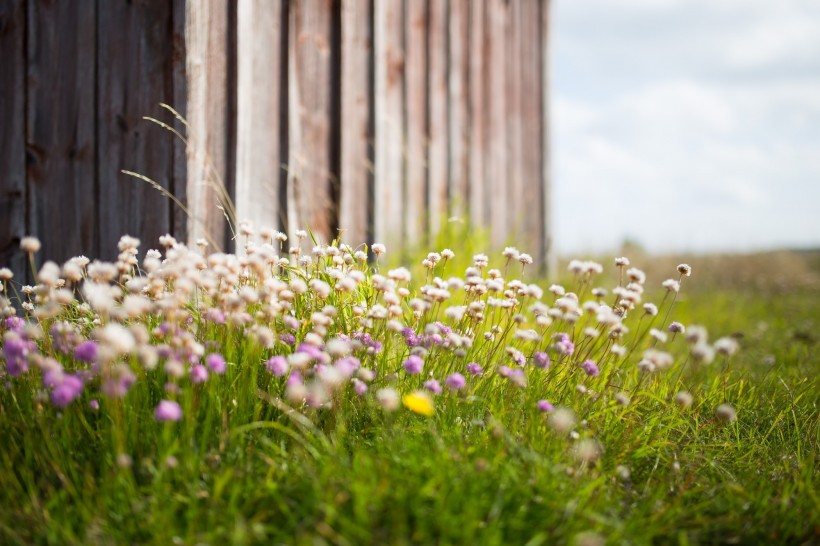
{"points": [[531, 120], [513, 170], [389, 122], [459, 106], [497, 124], [415, 189], [206, 34], [134, 74], [356, 121], [438, 110], [12, 136], [60, 127], [179, 83], [259, 166], [548, 253], [309, 179], [479, 52]]}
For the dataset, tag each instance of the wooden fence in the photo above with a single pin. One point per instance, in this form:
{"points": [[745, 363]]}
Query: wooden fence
{"points": [[382, 118]]}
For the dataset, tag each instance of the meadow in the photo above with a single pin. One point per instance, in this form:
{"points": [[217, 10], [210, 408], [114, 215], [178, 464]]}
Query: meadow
{"points": [[328, 394]]}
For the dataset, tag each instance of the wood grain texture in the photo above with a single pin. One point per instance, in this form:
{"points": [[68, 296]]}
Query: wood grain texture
{"points": [[355, 214], [60, 127], [549, 258], [438, 153], [259, 172], [13, 136], [497, 168], [459, 107], [310, 174], [135, 73], [389, 123], [179, 101], [206, 35], [517, 205], [416, 79], [479, 142]]}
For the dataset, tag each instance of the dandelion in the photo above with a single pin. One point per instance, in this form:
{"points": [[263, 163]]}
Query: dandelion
{"points": [[419, 402]]}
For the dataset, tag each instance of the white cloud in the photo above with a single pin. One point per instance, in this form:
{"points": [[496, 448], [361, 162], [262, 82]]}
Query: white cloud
{"points": [[686, 125]]}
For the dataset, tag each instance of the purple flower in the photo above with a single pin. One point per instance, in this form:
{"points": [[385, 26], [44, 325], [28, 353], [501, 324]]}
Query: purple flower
{"points": [[86, 351], [564, 345], [94, 404], [676, 328], [313, 351], [518, 377], [544, 406], [359, 386], [433, 386], [16, 351], [455, 381], [199, 374], [541, 360], [287, 339], [119, 381], [216, 362], [15, 324], [277, 365], [504, 371], [295, 378], [474, 369], [413, 364], [168, 410], [590, 367], [215, 315], [410, 337], [518, 357], [69, 388], [346, 366]]}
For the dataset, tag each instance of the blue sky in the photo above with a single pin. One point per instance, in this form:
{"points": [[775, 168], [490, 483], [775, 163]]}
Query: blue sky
{"points": [[686, 125]]}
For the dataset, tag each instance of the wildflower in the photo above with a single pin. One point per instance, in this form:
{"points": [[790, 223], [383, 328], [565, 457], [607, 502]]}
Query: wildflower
{"points": [[590, 367], [86, 351], [650, 309], [685, 270], [726, 413], [359, 386], [544, 406], [119, 380], [622, 398], [677, 328], [448, 254], [473, 368], [30, 245], [378, 249], [541, 360], [69, 388], [726, 346], [216, 362], [94, 404], [413, 364], [525, 258], [455, 381], [622, 262], [587, 451], [388, 399], [683, 399], [564, 345], [419, 402], [433, 386], [199, 374], [168, 410], [671, 285], [562, 420]]}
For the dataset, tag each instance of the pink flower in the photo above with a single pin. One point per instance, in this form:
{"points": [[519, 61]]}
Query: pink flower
{"points": [[168, 410]]}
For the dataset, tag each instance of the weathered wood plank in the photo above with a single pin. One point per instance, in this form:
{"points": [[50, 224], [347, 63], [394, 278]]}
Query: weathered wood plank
{"points": [[389, 122], [459, 107], [356, 174], [309, 179], [513, 170], [547, 251], [259, 172], [479, 53], [179, 83], [12, 136], [206, 34], [438, 95], [60, 120], [134, 74], [415, 188], [531, 119], [497, 193]]}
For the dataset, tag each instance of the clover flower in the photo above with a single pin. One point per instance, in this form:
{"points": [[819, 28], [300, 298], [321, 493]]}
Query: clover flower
{"points": [[413, 364], [544, 406], [473, 368], [216, 363], [590, 367], [168, 410]]}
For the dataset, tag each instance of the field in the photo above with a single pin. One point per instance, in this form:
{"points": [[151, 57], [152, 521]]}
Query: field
{"points": [[160, 411]]}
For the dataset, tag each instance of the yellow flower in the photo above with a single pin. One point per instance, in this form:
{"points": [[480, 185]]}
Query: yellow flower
{"points": [[419, 402]]}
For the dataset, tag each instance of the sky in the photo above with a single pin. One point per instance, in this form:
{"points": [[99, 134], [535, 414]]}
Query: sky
{"points": [[685, 125]]}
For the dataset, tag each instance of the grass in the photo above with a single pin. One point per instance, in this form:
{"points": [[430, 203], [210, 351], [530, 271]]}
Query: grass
{"points": [[249, 463]]}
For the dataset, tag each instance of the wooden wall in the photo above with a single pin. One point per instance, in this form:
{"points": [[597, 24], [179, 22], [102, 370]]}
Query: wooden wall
{"points": [[382, 118]]}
